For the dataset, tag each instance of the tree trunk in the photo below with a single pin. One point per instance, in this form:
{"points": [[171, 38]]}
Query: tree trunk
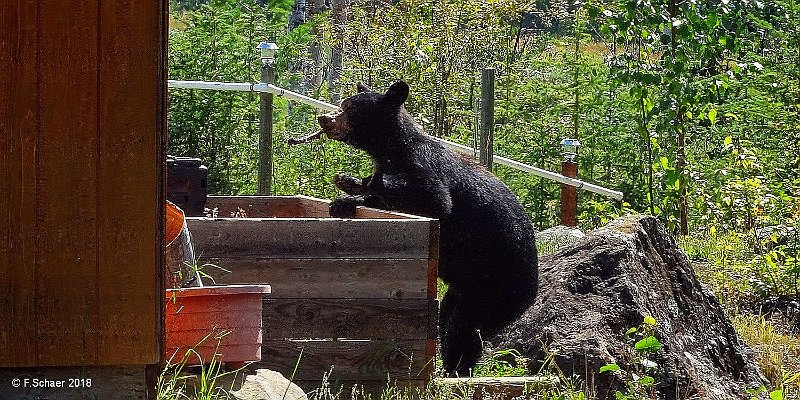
{"points": [[302, 11], [339, 18], [646, 137], [680, 168], [680, 151], [297, 16]]}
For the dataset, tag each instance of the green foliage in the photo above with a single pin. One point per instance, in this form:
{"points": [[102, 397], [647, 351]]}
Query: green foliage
{"points": [[502, 363], [175, 383], [637, 375], [776, 352], [740, 269], [671, 101], [777, 271], [678, 60], [215, 43]]}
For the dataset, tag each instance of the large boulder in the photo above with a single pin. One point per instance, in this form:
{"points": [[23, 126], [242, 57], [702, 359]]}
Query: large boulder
{"points": [[592, 292]]}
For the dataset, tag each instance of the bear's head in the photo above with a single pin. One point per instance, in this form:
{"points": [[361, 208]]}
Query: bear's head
{"points": [[370, 120]]}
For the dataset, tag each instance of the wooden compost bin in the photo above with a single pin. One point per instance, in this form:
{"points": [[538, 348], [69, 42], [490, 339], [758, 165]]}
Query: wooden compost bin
{"points": [[356, 295]]}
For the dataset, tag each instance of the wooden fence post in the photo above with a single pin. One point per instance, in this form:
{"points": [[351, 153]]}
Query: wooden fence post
{"points": [[569, 194], [265, 132], [487, 118]]}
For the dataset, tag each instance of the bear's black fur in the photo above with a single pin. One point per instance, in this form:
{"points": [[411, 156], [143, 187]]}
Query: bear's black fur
{"points": [[487, 252]]}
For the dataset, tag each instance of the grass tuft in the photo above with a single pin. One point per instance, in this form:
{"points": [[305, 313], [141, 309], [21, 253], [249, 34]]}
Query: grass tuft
{"points": [[778, 354]]}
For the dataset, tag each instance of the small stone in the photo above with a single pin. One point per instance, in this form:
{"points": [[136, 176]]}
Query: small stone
{"points": [[268, 385]]}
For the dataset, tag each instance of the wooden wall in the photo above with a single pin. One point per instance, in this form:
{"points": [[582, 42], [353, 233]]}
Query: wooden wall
{"points": [[82, 129], [358, 295]]}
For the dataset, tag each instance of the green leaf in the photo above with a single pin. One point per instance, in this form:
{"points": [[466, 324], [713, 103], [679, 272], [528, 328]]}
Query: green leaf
{"points": [[776, 395], [728, 141], [664, 162], [732, 116], [647, 380], [649, 344], [712, 116], [649, 320], [609, 367], [712, 20], [672, 178]]}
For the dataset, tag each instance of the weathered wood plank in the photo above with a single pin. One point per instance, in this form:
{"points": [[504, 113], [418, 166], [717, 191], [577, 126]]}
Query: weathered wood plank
{"points": [[287, 207], [320, 206], [433, 259], [315, 206], [350, 318], [49, 151], [310, 238], [130, 214], [377, 389], [496, 387], [261, 206], [327, 278], [119, 383], [366, 212], [6, 165], [19, 110], [67, 319], [350, 360]]}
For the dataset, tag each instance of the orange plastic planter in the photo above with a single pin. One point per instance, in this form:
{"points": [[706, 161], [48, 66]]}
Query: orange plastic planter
{"points": [[221, 320]]}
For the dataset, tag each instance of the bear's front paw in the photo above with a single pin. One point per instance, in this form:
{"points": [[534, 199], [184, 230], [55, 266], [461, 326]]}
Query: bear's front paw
{"points": [[344, 207], [348, 184]]}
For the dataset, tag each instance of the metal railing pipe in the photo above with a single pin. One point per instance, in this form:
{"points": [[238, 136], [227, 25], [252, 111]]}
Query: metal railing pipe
{"points": [[253, 87], [460, 148]]}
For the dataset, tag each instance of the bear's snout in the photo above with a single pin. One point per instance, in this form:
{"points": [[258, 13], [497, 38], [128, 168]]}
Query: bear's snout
{"points": [[333, 125], [325, 120]]}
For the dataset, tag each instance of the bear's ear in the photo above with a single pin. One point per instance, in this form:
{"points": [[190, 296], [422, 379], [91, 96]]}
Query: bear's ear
{"points": [[397, 94], [362, 88]]}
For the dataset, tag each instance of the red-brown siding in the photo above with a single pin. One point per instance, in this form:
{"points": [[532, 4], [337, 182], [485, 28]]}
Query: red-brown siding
{"points": [[82, 128]]}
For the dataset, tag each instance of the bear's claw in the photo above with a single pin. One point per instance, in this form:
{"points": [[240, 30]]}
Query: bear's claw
{"points": [[344, 207]]}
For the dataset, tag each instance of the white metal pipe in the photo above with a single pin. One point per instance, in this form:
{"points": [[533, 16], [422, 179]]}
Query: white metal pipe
{"points": [[228, 86], [269, 88], [616, 195], [253, 87]]}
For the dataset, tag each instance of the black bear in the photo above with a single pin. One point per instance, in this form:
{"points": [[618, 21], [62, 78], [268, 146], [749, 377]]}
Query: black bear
{"points": [[487, 253]]}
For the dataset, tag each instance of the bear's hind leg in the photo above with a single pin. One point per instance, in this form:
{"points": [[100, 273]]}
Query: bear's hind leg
{"points": [[461, 343]]}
